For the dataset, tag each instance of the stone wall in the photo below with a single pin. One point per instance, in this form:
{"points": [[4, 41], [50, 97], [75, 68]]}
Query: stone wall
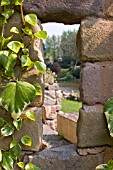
{"points": [[52, 103], [95, 47]]}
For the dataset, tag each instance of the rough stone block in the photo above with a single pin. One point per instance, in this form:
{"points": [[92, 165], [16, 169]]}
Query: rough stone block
{"points": [[64, 157], [96, 82], [66, 126], [58, 94], [64, 11], [46, 112], [31, 128], [50, 93], [92, 128], [109, 8], [95, 40], [36, 48]]}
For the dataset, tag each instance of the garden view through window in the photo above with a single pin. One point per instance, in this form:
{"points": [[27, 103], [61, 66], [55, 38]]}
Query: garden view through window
{"points": [[61, 57]]}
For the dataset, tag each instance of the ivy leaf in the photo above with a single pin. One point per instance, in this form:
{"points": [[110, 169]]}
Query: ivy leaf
{"points": [[7, 162], [15, 46], [3, 21], [40, 66], [17, 2], [0, 155], [102, 167], [108, 109], [30, 115], [8, 13], [29, 166], [26, 61], [38, 89], [36, 167], [18, 123], [31, 19], [110, 164], [27, 31], [26, 140], [16, 96], [25, 51], [1, 121], [7, 129], [15, 150], [6, 41], [14, 30], [21, 164], [41, 35], [8, 62], [5, 2]]}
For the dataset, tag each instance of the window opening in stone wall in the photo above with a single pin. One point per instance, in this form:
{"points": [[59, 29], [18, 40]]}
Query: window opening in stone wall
{"points": [[62, 98]]}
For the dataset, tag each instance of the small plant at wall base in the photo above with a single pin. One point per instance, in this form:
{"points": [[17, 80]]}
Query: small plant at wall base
{"points": [[17, 94], [108, 110]]}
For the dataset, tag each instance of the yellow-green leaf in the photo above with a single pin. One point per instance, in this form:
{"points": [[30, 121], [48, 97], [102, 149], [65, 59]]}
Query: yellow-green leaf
{"points": [[5, 2], [7, 13], [30, 115], [14, 30], [40, 66], [15, 46], [16, 96], [21, 164], [26, 140], [31, 19], [41, 35]]}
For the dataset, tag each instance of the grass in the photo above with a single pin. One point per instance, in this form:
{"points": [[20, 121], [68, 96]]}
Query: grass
{"points": [[69, 106]]}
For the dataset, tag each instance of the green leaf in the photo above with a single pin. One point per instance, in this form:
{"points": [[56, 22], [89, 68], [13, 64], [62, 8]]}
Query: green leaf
{"points": [[109, 114], [3, 21], [110, 164], [16, 96], [30, 115], [6, 41], [25, 51], [31, 19], [1, 121], [14, 30], [36, 167], [15, 46], [7, 129], [18, 123], [7, 162], [29, 166], [26, 61], [8, 13], [102, 167], [15, 150], [13, 143], [38, 89], [21, 164], [41, 35], [0, 155], [17, 2], [8, 62], [27, 31], [40, 66], [26, 140], [5, 2]]}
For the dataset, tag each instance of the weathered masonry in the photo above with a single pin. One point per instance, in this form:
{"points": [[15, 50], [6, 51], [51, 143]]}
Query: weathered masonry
{"points": [[95, 48]]}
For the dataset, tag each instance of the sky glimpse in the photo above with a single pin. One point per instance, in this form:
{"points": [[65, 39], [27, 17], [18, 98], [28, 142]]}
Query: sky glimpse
{"points": [[57, 29]]}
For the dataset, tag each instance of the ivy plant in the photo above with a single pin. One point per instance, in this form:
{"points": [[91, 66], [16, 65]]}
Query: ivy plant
{"points": [[108, 110], [17, 94]]}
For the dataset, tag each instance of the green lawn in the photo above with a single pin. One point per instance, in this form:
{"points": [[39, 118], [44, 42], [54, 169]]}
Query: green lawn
{"points": [[69, 106]]}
